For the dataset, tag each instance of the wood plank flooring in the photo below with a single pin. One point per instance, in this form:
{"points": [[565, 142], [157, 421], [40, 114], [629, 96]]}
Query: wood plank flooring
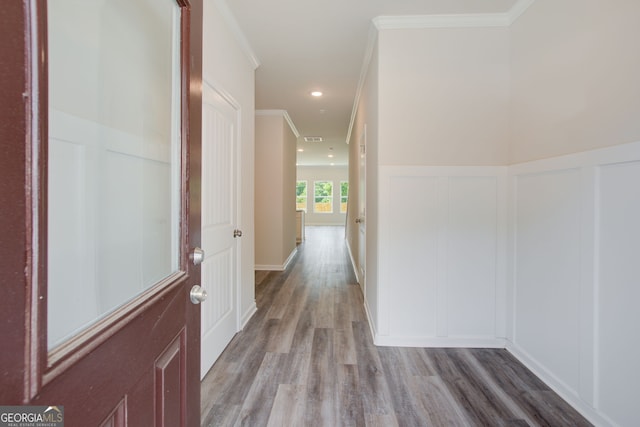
{"points": [[306, 358]]}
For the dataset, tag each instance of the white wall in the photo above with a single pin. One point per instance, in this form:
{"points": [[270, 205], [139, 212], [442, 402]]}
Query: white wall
{"points": [[288, 191], [335, 174], [574, 272], [488, 247], [574, 77], [275, 180], [440, 98], [444, 96], [442, 249], [574, 229], [236, 80]]}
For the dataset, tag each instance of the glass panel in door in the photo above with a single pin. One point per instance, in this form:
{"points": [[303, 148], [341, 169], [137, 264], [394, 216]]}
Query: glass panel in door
{"points": [[114, 156]]}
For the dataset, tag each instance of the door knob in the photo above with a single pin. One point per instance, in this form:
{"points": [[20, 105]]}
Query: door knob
{"points": [[197, 256], [197, 294], [237, 233]]}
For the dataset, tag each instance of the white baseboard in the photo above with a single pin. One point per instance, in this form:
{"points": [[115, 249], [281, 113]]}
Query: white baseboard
{"points": [[439, 342], [564, 391], [372, 327], [353, 263], [274, 267], [248, 315], [290, 258]]}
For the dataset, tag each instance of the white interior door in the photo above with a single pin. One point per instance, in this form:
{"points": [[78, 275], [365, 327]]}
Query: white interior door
{"points": [[362, 198], [219, 223]]}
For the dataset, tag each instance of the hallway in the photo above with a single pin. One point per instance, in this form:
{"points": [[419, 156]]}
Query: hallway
{"points": [[306, 358]]}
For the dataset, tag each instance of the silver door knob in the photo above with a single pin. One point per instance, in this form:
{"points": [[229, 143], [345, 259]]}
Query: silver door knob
{"points": [[196, 256], [237, 233], [197, 294]]}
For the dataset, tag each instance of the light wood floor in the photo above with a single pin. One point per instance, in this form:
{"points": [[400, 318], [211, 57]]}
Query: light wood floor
{"points": [[306, 358]]}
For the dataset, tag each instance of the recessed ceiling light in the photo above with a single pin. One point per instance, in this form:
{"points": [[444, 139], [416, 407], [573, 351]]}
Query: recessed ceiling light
{"points": [[316, 93], [330, 155], [300, 150], [332, 164]]}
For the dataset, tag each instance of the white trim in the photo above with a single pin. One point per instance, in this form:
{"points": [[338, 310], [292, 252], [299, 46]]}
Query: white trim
{"points": [[437, 342], [367, 312], [476, 20], [253, 308], [368, 54], [583, 395], [518, 9], [600, 156], [237, 32], [438, 171], [269, 267], [290, 258], [429, 21], [282, 113], [273, 267], [564, 391], [353, 262], [469, 20]]}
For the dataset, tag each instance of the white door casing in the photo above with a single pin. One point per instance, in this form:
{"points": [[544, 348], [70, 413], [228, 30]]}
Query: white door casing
{"points": [[220, 218], [362, 180]]}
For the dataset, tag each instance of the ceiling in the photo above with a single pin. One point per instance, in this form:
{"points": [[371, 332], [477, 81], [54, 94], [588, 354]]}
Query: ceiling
{"points": [[303, 46]]}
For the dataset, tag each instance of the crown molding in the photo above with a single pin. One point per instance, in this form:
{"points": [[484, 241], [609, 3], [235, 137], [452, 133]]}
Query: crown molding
{"points": [[441, 21], [230, 20], [518, 9], [280, 113], [430, 21], [475, 20]]}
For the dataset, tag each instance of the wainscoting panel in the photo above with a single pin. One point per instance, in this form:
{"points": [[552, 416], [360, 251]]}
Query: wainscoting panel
{"points": [[547, 235], [573, 252], [441, 281], [618, 316], [111, 219]]}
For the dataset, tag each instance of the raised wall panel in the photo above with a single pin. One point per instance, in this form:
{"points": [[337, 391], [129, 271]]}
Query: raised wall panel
{"points": [[574, 277], [471, 253], [121, 229], [71, 265], [547, 271], [410, 254], [439, 246], [619, 291], [156, 230]]}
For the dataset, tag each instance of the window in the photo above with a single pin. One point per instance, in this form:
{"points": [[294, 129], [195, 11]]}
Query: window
{"points": [[301, 195], [323, 197], [344, 196]]}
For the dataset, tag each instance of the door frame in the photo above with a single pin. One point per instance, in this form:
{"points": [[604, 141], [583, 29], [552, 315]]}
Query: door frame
{"points": [[362, 203], [28, 365], [228, 98]]}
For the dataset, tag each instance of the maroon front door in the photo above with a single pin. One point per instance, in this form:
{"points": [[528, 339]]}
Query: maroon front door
{"points": [[138, 364]]}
